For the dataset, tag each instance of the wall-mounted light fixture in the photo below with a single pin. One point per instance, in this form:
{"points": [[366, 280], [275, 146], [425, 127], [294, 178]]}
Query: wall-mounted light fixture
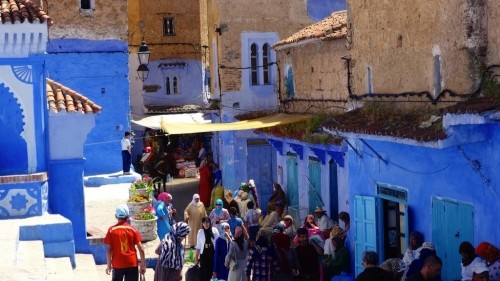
{"points": [[143, 72], [143, 55]]}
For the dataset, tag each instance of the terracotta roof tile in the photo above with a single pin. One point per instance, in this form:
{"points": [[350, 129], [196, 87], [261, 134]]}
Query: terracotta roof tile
{"points": [[400, 124], [19, 11], [172, 109], [63, 99], [394, 124], [330, 28], [474, 106]]}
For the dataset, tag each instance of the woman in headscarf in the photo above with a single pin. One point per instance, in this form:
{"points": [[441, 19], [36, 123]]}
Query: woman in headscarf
{"points": [[205, 185], [491, 255], [205, 249], [219, 214], [221, 247], [314, 233], [277, 196], [237, 256], [171, 252], [416, 240], [470, 260], [228, 201], [163, 214], [193, 213]]}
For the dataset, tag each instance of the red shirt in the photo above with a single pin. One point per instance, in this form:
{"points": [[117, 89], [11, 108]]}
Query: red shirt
{"points": [[122, 239]]}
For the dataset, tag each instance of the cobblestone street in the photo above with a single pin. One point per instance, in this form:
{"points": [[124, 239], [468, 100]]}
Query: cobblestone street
{"points": [[100, 204]]}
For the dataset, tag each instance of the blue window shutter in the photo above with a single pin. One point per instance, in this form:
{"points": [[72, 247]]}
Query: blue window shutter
{"points": [[365, 228]]}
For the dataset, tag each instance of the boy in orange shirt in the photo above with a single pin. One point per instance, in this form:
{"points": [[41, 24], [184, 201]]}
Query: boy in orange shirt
{"points": [[121, 256]]}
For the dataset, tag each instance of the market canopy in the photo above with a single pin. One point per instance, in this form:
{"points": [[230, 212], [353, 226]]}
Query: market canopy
{"points": [[177, 128], [154, 122]]}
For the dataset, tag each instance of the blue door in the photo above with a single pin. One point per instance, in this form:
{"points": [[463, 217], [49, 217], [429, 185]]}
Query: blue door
{"points": [[452, 223], [334, 191], [261, 165], [365, 229], [292, 188], [314, 180]]}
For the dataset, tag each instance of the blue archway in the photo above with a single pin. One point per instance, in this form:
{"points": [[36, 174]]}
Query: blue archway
{"points": [[13, 152]]}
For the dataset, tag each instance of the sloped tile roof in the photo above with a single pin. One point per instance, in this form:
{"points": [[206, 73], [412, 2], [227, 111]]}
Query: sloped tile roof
{"points": [[330, 28], [20, 11], [172, 109], [63, 99], [403, 124], [475, 106]]}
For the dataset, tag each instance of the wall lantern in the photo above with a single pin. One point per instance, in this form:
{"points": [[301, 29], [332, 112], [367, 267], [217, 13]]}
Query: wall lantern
{"points": [[143, 72], [143, 53]]}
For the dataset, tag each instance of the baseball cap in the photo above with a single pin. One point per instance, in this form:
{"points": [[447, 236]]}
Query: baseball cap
{"points": [[122, 211]]}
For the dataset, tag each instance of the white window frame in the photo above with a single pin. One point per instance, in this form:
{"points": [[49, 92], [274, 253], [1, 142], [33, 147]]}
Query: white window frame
{"points": [[258, 38]]}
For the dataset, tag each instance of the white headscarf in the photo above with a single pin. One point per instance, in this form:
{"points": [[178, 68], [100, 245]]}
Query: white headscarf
{"points": [[197, 204]]}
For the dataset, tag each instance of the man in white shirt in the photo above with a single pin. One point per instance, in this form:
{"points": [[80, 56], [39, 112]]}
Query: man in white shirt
{"points": [[126, 153], [325, 223]]}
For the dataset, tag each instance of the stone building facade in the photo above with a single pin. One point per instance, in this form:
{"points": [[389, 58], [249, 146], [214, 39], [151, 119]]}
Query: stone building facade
{"points": [[313, 75], [423, 46]]}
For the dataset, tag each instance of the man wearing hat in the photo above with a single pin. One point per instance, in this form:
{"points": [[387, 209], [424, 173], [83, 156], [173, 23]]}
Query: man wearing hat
{"points": [[121, 256], [325, 223]]}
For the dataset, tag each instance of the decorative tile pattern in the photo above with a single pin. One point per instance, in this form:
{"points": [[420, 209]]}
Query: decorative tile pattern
{"points": [[23, 199]]}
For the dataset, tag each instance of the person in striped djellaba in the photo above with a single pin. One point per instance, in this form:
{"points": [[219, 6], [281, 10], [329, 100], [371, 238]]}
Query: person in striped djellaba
{"points": [[171, 252]]}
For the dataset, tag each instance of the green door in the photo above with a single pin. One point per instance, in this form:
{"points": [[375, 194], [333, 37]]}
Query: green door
{"points": [[292, 189], [314, 180]]}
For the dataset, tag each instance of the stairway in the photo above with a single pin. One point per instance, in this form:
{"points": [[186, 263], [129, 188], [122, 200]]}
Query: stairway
{"points": [[42, 248]]}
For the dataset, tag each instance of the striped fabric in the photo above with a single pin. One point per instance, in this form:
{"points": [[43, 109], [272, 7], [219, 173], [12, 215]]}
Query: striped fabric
{"points": [[172, 253]]}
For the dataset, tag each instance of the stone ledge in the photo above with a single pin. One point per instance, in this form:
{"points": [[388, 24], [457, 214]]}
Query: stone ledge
{"points": [[37, 177]]}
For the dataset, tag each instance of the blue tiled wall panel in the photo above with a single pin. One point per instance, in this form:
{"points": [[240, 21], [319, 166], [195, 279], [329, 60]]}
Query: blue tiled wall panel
{"points": [[99, 72], [21, 200]]}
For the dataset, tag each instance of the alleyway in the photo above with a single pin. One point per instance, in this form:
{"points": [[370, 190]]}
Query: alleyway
{"points": [[100, 204]]}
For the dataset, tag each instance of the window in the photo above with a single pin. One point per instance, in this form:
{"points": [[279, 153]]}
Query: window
{"points": [[176, 89], [253, 64], [369, 80], [168, 27], [86, 4], [265, 64], [289, 88], [437, 75], [172, 86]]}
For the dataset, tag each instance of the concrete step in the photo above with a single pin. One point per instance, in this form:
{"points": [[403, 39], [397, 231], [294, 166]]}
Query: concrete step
{"points": [[55, 231], [30, 260], [85, 269], [59, 269]]}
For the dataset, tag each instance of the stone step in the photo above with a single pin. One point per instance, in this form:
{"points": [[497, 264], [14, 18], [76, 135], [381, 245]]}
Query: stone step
{"points": [[59, 269], [30, 260], [55, 231], [85, 269]]}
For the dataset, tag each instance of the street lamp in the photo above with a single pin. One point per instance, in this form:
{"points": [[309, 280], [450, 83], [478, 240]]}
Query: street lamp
{"points": [[143, 72], [143, 53]]}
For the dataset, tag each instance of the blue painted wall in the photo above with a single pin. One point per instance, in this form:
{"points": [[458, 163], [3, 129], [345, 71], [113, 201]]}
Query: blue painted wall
{"points": [[66, 196], [430, 172], [99, 71], [320, 9]]}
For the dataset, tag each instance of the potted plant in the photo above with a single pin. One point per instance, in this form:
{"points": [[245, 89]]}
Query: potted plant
{"points": [[145, 222], [144, 186]]}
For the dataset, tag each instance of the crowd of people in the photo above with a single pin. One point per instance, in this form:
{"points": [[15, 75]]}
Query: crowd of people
{"points": [[235, 241]]}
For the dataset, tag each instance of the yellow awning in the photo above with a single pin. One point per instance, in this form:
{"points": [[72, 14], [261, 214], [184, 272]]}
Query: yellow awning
{"points": [[176, 128]]}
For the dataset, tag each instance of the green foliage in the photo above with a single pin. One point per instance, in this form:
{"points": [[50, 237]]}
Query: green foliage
{"points": [[146, 183], [490, 87]]}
